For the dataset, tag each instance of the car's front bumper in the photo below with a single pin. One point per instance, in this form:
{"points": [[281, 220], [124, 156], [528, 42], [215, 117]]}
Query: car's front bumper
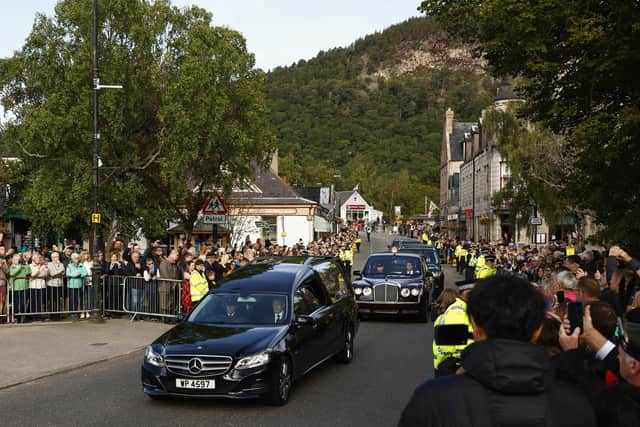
{"points": [[394, 308], [235, 384]]}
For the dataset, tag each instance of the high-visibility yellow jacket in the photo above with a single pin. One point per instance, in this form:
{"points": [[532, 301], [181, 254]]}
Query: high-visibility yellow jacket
{"points": [[438, 245], [456, 253], [346, 255], [486, 272], [463, 253], [358, 240], [479, 264], [198, 286], [472, 260], [456, 314]]}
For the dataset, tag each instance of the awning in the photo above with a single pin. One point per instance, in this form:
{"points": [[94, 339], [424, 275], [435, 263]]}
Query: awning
{"points": [[13, 214]]}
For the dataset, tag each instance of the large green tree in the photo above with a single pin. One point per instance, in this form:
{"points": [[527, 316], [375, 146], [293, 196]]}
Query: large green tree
{"points": [[576, 62], [190, 116]]}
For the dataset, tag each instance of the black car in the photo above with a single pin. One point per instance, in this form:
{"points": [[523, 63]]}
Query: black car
{"points": [[266, 325], [433, 264], [394, 283]]}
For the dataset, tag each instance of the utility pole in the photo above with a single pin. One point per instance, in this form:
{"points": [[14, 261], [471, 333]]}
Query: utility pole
{"points": [[96, 217]]}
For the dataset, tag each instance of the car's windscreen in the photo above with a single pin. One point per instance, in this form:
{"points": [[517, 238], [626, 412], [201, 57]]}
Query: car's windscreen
{"points": [[398, 265], [429, 255], [256, 308]]}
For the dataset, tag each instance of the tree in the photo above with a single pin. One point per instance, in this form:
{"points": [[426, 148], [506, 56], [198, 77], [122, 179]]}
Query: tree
{"points": [[574, 60], [190, 118]]}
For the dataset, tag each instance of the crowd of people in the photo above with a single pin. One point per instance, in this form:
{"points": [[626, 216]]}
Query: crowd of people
{"points": [[50, 283], [551, 336]]}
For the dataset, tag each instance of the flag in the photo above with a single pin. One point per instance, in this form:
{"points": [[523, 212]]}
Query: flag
{"points": [[432, 207]]}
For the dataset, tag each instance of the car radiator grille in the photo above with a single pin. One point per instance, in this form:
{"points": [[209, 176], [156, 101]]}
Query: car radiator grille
{"points": [[211, 365], [386, 293]]}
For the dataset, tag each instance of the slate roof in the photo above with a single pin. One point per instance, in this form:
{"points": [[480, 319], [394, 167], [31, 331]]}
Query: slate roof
{"points": [[343, 196], [273, 190], [459, 129]]}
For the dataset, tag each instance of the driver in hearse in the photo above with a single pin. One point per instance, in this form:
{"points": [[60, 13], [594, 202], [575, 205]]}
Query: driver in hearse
{"points": [[278, 315], [379, 268]]}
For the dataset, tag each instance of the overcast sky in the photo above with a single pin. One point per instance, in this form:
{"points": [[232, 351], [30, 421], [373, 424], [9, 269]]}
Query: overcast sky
{"points": [[278, 32]]}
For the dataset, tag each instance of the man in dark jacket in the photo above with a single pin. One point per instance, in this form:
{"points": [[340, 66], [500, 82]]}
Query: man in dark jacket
{"points": [[507, 379], [619, 405]]}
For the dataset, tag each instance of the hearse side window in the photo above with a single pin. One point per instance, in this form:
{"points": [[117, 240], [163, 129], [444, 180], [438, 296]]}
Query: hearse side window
{"points": [[306, 300], [333, 279]]}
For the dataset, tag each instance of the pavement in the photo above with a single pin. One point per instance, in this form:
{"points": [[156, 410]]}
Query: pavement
{"points": [[392, 357], [33, 351]]}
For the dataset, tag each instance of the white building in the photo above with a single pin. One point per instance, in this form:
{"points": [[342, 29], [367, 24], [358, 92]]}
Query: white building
{"points": [[351, 206]]}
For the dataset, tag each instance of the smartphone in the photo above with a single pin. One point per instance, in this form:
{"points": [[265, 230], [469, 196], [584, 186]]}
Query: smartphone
{"points": [[574, 312], [451, 334], [560, 297]]}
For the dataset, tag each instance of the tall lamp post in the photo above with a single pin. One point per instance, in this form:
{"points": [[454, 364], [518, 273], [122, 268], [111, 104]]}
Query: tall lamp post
{"points": [[96, 216]]}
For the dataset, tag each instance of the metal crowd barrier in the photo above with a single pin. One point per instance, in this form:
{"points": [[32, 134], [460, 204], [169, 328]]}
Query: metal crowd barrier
{"points": [[111, 294], [155, 297], [53, 302]]}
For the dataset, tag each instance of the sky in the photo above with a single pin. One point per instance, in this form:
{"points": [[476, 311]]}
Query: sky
{"points": [[278, 32]]}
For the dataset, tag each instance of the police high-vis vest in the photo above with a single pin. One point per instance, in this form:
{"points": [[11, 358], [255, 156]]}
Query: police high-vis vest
{"points": [[456, 314], [198, 286], [472, 260], [486, 272], [479, 264]]}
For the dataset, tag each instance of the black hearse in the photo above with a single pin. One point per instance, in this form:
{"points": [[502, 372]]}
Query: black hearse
{"points": [[266, 325]]}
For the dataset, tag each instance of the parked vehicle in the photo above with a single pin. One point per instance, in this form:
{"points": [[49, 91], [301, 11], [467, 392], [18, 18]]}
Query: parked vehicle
{"points": [[265, 326]]}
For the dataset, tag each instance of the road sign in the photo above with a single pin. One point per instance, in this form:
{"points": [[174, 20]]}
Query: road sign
{"points": [[536, 221], [214, 206], [214, 219], [95, 218]]}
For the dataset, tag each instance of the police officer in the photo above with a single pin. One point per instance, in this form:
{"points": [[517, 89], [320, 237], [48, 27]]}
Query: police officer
{"points": [[446, 358], [470, 271], [346, 256], [489, 268], [462, 258], [480, 261]]}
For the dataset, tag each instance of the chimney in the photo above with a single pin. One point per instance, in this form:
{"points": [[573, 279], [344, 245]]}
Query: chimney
{"points": [[448, 123], [274, 163]]}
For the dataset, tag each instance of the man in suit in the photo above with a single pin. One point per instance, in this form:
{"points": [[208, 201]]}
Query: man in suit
{"points": [[279, 314], [410, 271]]}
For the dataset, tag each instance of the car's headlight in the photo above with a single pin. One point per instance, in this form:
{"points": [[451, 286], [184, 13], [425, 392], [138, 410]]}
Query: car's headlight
{"points": [[358, 291], [415, 292], [366, 292], [254, 361], [437, 273], [153, 358], [405, 292]]}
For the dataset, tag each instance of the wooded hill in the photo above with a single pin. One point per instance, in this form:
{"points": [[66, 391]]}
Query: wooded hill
{"points": [[372, 113]]}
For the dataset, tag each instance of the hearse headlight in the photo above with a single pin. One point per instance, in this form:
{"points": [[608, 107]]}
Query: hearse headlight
{"points": [[366, 292], [405, 292], [253, 361], [415, 292], [436, 273], [358, 291], [152, 357]]}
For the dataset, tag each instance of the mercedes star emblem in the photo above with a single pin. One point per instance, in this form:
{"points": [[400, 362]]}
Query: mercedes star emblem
{"points": [[195, 365]]}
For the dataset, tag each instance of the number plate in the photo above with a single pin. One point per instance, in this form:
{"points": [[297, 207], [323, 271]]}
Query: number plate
{"points": [[195, 384]]}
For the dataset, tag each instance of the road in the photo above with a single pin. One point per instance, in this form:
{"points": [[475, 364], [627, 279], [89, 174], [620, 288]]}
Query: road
{"points": [[391, 358]]}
